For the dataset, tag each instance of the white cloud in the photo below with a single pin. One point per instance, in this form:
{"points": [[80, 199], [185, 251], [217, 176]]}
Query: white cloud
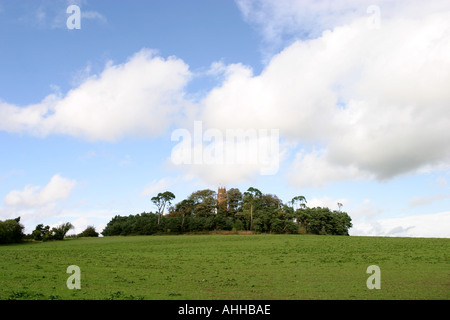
{"points": [[79, 218], [327, 202], [427, 225], [315, 169], [373, 102], [93, 15], [57, 189], [425, 200], [365, 211], [157, 186], [282, 22], [36, 203], [140, 98], [226, 156], [369, 103], [80, 224]]}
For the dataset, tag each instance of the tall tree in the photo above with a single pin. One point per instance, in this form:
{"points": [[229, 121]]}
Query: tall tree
{"points": [[184, 208], [234, 199], [299, 213], [251, 194], [205, 202], [161, 200], [301, 200]]}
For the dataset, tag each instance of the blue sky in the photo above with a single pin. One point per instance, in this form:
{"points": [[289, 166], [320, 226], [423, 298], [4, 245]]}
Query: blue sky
{"points": [[358, 92]]}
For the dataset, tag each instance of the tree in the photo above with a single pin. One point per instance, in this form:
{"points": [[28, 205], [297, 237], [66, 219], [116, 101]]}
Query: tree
{"points": [[343, 223], [89, 232], [40, 232], [160, 202], [252, 210], [11, 231], [59, 232], [143, 224], [316, 221], [184, 208], [205, 202], [266, 211], [234, 199], [251, 194], [283, 226], [303, 218], [299, 199], [323, 221]]}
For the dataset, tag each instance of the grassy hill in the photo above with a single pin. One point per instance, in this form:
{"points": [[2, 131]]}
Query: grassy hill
{"points": [[227, 267]]}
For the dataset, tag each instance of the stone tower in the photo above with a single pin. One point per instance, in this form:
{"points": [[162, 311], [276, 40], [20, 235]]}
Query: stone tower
{"points": [[222, 197]]}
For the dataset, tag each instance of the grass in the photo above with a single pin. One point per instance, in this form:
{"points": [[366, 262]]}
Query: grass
{"points": [[227, 267]]}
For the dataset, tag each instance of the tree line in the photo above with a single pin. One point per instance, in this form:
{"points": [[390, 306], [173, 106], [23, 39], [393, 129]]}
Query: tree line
{"points": [[251, 210], [11, 231], [201, 212]]}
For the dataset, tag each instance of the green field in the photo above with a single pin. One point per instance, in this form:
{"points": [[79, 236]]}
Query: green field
{"points": [[227, 267]]}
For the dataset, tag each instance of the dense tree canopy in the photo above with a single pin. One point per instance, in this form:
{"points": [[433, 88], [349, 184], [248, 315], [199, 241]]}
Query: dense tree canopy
{"points": [[11, 231], [251, 210], [42, 233], [205, 203]]}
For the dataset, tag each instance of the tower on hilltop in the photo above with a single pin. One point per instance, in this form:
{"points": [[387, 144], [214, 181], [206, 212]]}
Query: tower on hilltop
{"points": [[222, 197]]}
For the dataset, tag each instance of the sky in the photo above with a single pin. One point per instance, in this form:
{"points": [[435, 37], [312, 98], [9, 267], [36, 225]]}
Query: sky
{"points": [[103, 107]]}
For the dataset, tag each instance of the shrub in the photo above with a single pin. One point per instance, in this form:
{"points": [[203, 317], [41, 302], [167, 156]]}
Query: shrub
{"points": [[59, 232], [89, 232], [40, 232], [11, 231]]}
